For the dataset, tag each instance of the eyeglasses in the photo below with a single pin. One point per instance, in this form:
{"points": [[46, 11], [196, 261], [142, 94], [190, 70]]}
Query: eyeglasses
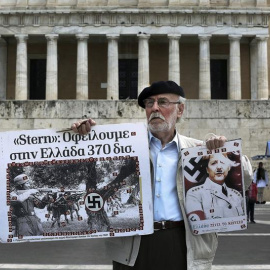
{"points": [[162, 102]]}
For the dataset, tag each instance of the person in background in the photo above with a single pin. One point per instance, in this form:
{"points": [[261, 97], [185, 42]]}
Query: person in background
{"points": [[261, 180], [172, 246], [251, 200]]}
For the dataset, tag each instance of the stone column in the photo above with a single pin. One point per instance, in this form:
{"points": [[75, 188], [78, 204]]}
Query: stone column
{"points": [[143, 62], [21, 3], [204, 3], [173, 2], [112, 3], [235, 68], [204, 67], [3, 68], [112, 68], [21, 67], [263, 92], [82, 67], [174, 58], [142, 3], [51, 67], [253, 69], [261, 3], [234, 3]]}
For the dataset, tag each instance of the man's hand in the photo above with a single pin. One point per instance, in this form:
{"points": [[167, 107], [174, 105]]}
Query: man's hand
{"points": [[83, 127], [215, 142]]}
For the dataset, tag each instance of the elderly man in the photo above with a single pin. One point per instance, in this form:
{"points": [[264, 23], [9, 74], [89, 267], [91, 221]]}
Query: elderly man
{"points": [[172, 245], [214, 199]]}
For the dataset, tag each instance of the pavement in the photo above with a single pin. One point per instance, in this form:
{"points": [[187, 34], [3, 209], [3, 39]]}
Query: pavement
{"points": [[238, 250], [109, 267]]}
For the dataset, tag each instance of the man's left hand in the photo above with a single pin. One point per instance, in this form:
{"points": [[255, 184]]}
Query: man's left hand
{"points": [[215, 142]]}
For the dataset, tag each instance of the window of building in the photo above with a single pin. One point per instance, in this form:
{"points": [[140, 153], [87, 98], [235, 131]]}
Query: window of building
{"points": [[37, 79], [219, 83], [128, 78]]}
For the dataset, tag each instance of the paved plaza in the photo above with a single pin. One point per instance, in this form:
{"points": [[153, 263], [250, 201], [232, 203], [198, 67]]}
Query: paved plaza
{"points": [[239, 250]]}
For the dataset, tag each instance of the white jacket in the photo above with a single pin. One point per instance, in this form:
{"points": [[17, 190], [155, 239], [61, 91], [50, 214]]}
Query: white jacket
{"points": [[201, 249], [210, 200], [261, 182]]}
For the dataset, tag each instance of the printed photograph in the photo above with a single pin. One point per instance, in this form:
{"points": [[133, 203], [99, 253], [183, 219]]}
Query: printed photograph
{"points": [[74, 196], [213, 186]]}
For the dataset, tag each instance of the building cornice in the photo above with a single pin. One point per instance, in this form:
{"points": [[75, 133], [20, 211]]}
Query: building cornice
{"points": [[217, 20], [119, 10]]}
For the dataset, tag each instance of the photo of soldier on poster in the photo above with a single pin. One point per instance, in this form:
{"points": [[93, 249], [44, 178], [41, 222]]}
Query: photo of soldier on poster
{"points": [[214, 188], [52, 197]]}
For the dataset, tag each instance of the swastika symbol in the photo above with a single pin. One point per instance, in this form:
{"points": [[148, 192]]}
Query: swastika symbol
{"points": [[94, 202], [193, 171]]}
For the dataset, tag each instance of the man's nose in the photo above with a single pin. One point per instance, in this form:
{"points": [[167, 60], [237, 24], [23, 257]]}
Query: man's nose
{"points": [[219, 166], [155, 106]]}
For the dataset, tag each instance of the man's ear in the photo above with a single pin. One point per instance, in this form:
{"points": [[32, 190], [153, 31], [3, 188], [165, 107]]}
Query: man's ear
{"points": [[181, 108]]}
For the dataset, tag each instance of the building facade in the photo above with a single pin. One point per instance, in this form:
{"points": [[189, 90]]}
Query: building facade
{"points": [[61, 60], [113, 49]]}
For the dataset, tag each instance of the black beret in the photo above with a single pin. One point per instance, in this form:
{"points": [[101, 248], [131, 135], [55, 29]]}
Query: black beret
{"points": [[161, 87]]}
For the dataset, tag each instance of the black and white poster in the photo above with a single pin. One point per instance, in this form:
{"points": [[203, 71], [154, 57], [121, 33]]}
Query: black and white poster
{"points": [[61, 185], [214, 189]]}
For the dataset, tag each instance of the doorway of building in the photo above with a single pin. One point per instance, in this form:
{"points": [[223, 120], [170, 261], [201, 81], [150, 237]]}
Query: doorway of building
{"points": [[219, 85], [128, 78], [37, 80]]}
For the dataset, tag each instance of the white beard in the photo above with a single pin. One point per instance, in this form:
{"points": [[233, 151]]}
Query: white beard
{"points": [[163, 126]]}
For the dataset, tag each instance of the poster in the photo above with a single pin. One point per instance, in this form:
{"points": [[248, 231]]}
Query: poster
{"points": [[214, 189], [61, 185]]}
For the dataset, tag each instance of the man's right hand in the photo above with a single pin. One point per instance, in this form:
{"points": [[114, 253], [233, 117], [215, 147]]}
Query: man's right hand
{"points": [[83, 127]]}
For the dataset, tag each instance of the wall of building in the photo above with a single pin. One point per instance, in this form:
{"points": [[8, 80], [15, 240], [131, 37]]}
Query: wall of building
{"points": [[248, 120]]}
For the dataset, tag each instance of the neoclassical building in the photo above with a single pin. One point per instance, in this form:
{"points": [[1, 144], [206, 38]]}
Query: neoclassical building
{"points": [[112, 49]]}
